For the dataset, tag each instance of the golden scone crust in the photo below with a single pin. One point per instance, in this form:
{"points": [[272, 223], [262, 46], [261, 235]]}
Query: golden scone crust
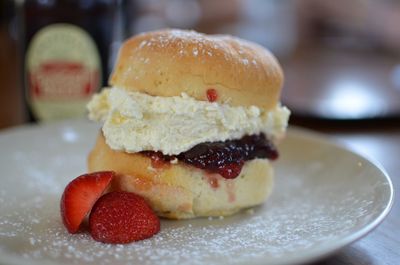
{"points": [[169, 62], [181, 191]]}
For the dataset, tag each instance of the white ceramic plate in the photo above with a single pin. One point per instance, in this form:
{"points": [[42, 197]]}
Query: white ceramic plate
{"points": [[325, 197]]}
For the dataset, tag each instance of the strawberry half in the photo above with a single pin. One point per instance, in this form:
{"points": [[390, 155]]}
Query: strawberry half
{"points": [[122, 217], [80, 195]]}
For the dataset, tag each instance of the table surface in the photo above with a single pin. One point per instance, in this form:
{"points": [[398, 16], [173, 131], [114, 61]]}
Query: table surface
{"points": [[380, 141]]}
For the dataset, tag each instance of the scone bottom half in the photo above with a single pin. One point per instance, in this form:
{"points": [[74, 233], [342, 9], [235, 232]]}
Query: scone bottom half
{"points": [[177, 190]]}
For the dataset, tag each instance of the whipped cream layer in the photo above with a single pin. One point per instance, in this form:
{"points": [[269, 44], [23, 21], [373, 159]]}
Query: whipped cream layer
{"points": [[135, 122]]}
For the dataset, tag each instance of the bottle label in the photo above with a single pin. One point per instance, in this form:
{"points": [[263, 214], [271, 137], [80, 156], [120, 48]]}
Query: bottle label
{"points": [[63, 70]]}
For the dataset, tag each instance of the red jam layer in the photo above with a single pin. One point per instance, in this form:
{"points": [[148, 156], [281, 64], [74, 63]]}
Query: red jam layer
{"points": [[225, 158], [212, 95]]}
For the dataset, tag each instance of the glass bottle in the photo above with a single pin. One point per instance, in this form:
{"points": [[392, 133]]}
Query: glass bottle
{"points": [[65, 53]]}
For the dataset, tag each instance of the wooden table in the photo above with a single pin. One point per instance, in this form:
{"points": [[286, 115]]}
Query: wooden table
{"points": [[379, 140]]}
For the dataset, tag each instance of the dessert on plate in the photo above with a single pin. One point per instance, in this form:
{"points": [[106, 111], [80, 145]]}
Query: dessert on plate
{"points": [[191, 122]]}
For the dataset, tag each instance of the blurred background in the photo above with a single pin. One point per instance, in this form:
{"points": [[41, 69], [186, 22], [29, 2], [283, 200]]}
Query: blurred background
{"points": [[340, 58]]}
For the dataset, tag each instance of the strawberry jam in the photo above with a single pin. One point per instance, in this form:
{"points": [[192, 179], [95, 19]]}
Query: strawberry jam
{"points": [[212, 95], [225, 158]]}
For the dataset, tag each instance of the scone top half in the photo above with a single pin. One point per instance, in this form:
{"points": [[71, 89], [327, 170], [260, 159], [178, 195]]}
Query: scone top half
{"points": [[171, 62]]}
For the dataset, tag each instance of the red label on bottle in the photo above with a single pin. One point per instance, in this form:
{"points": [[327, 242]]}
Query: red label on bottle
{"points": [[66, 80]]}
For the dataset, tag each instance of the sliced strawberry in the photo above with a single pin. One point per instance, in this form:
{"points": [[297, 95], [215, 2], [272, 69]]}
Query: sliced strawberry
{"points": [[122, 217], [80, 195]]}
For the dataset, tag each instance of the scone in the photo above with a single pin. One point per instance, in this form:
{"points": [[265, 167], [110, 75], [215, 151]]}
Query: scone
{"points": [[191, 122]]}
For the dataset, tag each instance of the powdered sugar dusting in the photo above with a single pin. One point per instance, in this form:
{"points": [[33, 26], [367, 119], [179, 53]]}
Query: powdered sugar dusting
{"points": [[280, 227], [142, 44], [301, 215], [191, 43]]}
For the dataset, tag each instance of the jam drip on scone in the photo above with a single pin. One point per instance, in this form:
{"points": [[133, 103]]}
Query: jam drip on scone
{"points": [[225, 158]]}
